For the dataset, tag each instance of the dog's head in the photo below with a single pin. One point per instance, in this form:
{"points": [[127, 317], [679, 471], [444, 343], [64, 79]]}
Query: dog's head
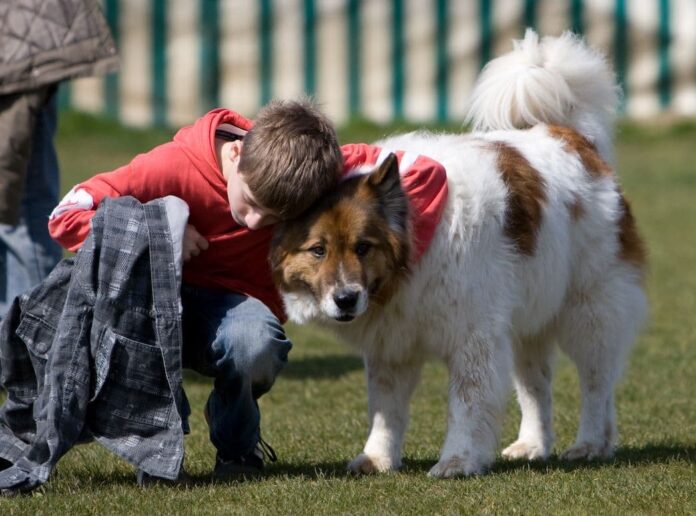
{"points": [[348, 251]]}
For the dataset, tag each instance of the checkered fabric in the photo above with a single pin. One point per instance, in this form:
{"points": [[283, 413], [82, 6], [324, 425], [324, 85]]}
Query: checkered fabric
{"points": [[95, 351]]}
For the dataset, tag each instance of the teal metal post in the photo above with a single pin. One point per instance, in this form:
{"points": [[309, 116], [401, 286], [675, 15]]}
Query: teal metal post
{"points": [[111, 81], [354, 32], [310, 47], [159, 62], [209, 70], [266, 49]]}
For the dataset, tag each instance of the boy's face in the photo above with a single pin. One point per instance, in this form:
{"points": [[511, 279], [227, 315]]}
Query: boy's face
{"points": [[246, 211]]}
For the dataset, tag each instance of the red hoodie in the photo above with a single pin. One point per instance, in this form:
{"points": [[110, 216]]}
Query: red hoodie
{"points": [[187, 167]]}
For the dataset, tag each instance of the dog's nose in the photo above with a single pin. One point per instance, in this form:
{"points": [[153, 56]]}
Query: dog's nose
{"points": [[346, 299]]}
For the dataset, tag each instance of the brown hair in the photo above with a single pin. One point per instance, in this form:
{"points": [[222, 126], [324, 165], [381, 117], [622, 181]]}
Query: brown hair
{"points": [[290, 157]]}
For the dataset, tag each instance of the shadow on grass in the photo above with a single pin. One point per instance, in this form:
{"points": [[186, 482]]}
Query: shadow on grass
{"points": [[627, 456], [317, 367], [112, 479], [624, 456], [325, 366]]}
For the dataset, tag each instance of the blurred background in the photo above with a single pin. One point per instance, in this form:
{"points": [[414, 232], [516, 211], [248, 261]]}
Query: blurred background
{"points": [[379, 60]]}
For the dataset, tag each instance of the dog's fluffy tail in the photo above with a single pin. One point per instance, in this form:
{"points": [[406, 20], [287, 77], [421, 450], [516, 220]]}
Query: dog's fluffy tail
{"points": [[555, 81]]}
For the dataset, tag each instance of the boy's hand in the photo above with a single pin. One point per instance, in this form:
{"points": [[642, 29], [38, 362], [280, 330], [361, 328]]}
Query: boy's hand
{"points": [[193, 244]]}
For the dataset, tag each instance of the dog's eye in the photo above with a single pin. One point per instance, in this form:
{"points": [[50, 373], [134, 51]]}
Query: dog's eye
{"points": [[317, 251], [362, 248]]}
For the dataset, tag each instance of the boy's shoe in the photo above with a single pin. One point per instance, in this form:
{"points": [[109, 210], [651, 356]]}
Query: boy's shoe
{"points": [[147, 480], [249, 465]]}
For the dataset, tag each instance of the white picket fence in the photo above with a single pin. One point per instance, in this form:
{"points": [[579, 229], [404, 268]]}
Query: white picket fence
{"points": [[377, 59]]}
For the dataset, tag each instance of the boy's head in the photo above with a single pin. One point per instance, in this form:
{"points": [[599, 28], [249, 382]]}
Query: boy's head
{"points": [[290, 157]]}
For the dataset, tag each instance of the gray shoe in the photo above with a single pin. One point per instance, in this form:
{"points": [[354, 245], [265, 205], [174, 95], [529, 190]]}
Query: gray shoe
{"points": [[147, 480], [249, 465]]}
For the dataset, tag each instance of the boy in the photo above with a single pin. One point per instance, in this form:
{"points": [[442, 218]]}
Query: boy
{"points": [[237, 180]]}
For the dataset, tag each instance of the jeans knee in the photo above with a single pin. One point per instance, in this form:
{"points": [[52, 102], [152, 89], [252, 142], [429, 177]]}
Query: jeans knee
{"points": [[257, 349]]}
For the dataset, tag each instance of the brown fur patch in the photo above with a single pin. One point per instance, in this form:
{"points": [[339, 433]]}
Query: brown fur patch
{"points": [[465, 386], [632, 249], [576, 209], [527, 197], [584, 148], [384, 382]]}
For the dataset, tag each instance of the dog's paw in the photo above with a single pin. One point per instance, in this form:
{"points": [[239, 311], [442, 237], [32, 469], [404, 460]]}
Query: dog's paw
{"points": [[365, 464], [456, 466], [588, 451], [525, 450]]}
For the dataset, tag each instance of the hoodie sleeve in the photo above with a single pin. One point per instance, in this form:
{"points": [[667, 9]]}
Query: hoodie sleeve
{"points": [[144, 178]]}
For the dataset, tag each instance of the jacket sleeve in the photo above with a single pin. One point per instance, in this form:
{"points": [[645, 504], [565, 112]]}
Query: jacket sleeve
{"points": [[359, 155], [145, 178]]}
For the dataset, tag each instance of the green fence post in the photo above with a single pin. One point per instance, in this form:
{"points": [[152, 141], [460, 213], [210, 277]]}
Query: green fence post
{"points": [[209, 71], [111, 81], [442, 59], [353, 36], [665, 80], [621, 50], [486, 20], [265, 49], [310, 47], [159, 62], [398, 58], [529, 14], [577, 25], [64, 95]]}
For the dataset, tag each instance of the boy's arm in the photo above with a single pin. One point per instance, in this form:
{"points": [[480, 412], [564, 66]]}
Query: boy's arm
{"points": [[145, 178], [417, 171], [69, 222]]}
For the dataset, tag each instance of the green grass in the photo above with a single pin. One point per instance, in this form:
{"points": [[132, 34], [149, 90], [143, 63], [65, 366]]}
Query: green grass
{"points": [[315, 416]]}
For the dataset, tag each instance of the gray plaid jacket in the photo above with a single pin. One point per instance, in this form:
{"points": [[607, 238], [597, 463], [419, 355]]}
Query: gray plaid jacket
{"points": [[95, 350]]}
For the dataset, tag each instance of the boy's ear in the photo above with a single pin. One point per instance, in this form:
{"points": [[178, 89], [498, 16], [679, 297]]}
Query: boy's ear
{"points": [[236, 150]]}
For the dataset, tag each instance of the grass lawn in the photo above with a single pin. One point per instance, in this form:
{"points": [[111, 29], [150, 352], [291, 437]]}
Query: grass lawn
{"points": [[315, 416]]}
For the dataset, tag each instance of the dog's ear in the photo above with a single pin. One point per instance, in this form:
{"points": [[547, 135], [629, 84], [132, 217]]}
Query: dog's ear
{"points": [[386, 181], [386, 174]]}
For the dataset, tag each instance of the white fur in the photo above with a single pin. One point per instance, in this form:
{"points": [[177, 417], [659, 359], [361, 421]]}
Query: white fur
{"points": [[489, 312], [555, 80]]}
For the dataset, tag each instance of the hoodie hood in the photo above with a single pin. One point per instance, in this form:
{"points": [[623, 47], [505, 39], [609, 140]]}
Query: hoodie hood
{"points": [[198, 140]]}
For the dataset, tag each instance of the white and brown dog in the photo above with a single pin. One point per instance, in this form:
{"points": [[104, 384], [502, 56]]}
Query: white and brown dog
{"points": [[536, 247]]}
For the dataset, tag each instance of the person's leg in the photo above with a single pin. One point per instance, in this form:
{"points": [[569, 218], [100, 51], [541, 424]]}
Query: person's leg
{"points": [[27, 252], [239, 341], [41, 194]]}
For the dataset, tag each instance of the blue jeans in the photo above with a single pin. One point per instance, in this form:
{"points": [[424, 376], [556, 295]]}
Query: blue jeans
{"points": [[27, 252], [237, 340]]}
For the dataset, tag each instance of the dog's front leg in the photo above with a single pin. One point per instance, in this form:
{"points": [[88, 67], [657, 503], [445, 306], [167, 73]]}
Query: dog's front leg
{"points": [[479, 379], [389, 388]]}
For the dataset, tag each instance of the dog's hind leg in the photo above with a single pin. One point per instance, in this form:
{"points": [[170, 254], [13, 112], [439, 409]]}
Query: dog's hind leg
{"points": [[389, 389], [479, 379], [597, 329], [532, 377]]}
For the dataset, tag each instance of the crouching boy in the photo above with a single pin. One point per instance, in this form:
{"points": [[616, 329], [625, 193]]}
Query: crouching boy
{"points": [[238, 179]]}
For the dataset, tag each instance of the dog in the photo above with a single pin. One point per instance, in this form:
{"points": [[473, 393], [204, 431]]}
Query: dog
{"points": [[536, 246]]}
